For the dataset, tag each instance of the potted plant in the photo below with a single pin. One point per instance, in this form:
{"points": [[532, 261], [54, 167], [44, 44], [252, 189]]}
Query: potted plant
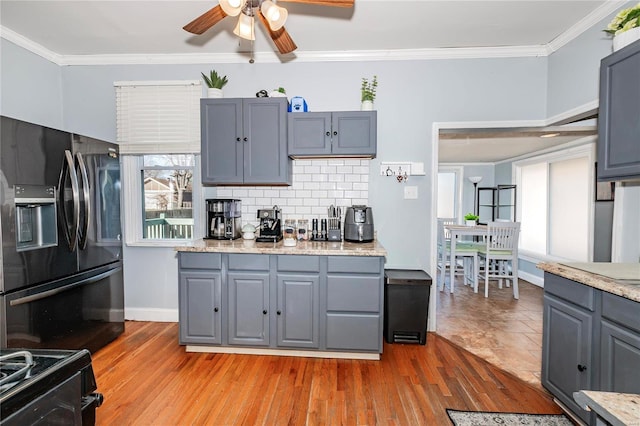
{"points": [[215, 83], [625, 27], [471, 219], [368, 93], [278, 93]]}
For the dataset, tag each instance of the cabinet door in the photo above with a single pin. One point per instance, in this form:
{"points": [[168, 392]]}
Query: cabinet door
{"points": [[200, 309], [618, 124], [354, 133], [619, 359], [566, 351], [265, 141], [309, 133], [248, 308], [221, 141], [298, 310]]}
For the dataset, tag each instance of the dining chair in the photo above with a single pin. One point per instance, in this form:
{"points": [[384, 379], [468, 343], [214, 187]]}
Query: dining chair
{"points": [[467, 251], [500, 255]]}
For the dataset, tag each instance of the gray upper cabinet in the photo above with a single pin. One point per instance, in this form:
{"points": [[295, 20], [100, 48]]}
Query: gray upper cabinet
{"points": [[244, 141], [618, 124], [339, 134]]}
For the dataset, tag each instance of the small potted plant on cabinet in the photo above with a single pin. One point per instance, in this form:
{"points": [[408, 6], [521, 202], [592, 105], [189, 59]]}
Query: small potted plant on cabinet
{"points": [[368, 93], [215, 83], [278, 93], [471, 219]]}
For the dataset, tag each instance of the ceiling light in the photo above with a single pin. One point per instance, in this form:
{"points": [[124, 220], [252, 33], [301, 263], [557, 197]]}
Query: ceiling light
{"points": [[550, 135], [275, 15], [244, 29], [232, 7]]}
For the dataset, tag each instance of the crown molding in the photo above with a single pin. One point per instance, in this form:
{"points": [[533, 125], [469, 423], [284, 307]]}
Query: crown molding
{"points": [[600, 13], [590, 20]]}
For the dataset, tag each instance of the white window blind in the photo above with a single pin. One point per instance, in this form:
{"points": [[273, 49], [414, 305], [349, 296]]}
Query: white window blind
{"points": [[158, 117]]}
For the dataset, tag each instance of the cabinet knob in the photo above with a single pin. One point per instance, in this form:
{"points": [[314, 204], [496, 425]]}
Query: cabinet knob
{"points": [[328, 133], [237, 139], [582, 368], [245, 139], [215, 309], [335, 133], [264, 312], [279, 312]]}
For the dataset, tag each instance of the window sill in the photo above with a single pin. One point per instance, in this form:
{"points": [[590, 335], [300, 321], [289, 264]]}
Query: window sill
{"points": [[161, 243], [534, 257]]}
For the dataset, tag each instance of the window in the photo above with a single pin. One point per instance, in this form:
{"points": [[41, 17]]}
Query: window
{"points": [[161, 198], [158, 127], [449, 191], [555, 205]]}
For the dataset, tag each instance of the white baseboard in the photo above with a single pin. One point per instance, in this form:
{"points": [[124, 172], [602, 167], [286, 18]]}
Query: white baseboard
{"points": [[533, 279], [282, 352], [151, 314]]}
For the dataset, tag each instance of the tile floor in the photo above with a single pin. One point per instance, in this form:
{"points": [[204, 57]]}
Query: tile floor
{"points": [[504, 331]]}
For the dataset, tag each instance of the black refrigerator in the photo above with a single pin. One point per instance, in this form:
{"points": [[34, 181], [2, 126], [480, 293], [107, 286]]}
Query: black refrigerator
{"points": [[61, 283]]}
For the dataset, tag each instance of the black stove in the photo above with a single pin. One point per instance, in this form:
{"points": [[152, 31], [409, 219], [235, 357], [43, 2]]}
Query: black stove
{"points": [[45, 385]]}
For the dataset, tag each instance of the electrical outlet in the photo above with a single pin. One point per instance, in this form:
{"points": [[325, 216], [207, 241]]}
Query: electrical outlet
{"points": [[410, 192]]}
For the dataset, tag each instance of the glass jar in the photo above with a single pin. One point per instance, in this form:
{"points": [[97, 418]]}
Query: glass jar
{"points": [[303, 228], [289, 230]]}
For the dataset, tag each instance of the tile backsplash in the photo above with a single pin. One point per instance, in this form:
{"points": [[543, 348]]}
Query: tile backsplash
{"points": [[316, 185]]}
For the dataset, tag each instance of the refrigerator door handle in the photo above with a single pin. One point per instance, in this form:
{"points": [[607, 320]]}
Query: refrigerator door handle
{"points": [[49, 293], [71, 233], [86, 192]]}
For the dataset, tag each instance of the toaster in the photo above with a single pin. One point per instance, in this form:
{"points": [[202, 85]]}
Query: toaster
{"points": [[358, 224]]}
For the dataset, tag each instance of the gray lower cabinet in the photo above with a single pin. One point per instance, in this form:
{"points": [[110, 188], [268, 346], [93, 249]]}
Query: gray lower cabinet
{"points": [[590, 341], [354, 303], [298, 301], [200, 300], [244, 141], [248, 289], [348, 133], [620, 345], [331, 303]]}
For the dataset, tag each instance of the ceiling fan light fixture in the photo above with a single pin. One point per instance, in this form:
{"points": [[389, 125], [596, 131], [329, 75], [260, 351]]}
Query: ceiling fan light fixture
{"points": [[232, 7], [244, 28], [275, 15]]}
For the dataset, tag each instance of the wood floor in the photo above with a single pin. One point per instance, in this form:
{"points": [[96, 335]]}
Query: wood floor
{"points": [[148, 379], [500, 329]]}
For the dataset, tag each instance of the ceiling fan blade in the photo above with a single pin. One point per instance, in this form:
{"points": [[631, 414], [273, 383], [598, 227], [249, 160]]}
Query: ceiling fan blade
{"points": [[336, 3], [280, 38], [205, 21]]}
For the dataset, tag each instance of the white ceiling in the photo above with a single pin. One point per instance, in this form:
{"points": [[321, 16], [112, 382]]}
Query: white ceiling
{"points": [[90, 27], [68, 31]]}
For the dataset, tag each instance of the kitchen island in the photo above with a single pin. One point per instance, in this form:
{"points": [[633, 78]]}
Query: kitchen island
{"points": [[591, 331], [320, 299]]}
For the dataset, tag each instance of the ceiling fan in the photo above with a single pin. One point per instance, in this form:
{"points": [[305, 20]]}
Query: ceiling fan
{"points": [[272, 16]]}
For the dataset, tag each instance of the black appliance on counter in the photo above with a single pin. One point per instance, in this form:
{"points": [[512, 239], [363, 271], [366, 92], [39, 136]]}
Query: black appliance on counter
{"points": [[270, 225], [61, 283], [224, 219], [358, 224], [43, 386]]}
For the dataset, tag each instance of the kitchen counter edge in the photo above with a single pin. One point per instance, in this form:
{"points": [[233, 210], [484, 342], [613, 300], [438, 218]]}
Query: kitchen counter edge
{"points": [[309, 248], [619, 409], [610, 285]]}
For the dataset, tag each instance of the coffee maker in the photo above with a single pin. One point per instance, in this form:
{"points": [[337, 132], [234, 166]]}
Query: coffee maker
{"points": [[224, 217], [270, 225]]}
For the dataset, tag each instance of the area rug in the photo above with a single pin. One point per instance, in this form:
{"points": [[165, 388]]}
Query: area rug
{"points": [[484, 418]]}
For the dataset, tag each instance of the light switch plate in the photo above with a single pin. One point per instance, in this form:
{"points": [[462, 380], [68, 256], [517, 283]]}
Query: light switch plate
{"points": [[410, 192]]}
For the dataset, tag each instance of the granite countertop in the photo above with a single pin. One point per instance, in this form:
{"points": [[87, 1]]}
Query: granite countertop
{"points": [[318, 248], [621, 279], [619, 409]]}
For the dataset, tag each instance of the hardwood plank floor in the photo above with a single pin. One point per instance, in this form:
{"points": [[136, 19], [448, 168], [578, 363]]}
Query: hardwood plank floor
{"points": [[148, 379]]}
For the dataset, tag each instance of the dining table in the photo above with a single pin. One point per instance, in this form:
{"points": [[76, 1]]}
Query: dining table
{"points": [[456, 232]]}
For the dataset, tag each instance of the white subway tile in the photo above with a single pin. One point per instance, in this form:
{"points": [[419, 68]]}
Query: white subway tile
{"points": [[256, 193], [337, 178], [319, 194], [312, 185], [304, 178], [311, 169], [361, 186], [319, 162], [344, 170], [303, 194], [329, 170], [302, 210], [335, 162], [335, 194], [361, 170], [352, 162], [302, 162], [310, 202], [295, 201], [352, 194], [320, 178], [352, 178], [328, 185], [344, 186], [287, 193]]}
